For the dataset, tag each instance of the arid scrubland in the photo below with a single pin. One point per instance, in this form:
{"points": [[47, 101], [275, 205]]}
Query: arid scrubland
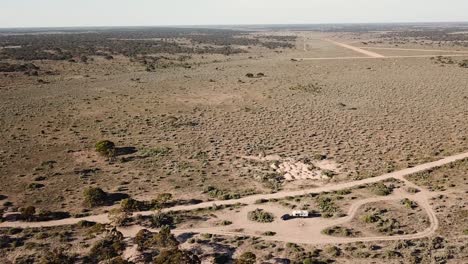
{"points": [[207, 115]]}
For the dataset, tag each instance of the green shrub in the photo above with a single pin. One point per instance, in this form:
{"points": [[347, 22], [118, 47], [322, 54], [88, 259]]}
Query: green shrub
{"points": [[327, 206], [269, 233], [35, 185], [161, 200], [261, 201], [333, 251], [95, 197], [370, 218], [28, 213], [258, 215], [412, 190], [109, 247], [161, 219], [408, 203], [343, 192], [164, 239], [214, 192], [85, 224], [329, 173], [105, 148], [339, 231], [57, 256], [381, 189], [226, 222], [131, 205], [246, 258], [176, 256]]}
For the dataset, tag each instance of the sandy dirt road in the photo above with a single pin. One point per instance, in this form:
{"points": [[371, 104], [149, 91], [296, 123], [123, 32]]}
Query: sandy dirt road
{"points": [[387, 57], [405, 49], [356, 49], [308, 231], [103, 218]]}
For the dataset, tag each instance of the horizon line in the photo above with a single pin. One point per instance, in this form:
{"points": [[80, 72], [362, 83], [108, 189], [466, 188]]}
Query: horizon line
{"points": [[225, 25]]}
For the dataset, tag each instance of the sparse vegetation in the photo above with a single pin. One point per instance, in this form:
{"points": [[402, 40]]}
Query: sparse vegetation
{"points": [[261, 216], [381, 189], [208, 131], [327, 207]]}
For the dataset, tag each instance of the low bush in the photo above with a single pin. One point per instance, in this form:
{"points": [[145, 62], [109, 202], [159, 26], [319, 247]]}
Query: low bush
{"points": [[105, 148], [95, 197], [463, 64], [258, 215], [161, 219], [176, 256], [246, 258], [408, 203], [28, 213], [327, 207], [131, 205], [269, 233], [57, 256], [111, 246], [381, 189]]}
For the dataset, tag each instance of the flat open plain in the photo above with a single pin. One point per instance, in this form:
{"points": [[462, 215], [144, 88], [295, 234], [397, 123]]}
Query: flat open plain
{"points": [[348, 126]]}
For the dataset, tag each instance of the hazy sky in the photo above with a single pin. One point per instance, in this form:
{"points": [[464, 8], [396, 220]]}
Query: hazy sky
{"points": [[58, 13]]}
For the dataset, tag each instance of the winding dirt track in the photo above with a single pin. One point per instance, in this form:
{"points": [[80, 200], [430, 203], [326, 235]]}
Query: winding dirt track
{"points": [[312, 237]]}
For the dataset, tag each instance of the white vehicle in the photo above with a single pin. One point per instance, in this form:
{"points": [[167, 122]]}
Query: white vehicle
{"points": [[300, 213]]}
